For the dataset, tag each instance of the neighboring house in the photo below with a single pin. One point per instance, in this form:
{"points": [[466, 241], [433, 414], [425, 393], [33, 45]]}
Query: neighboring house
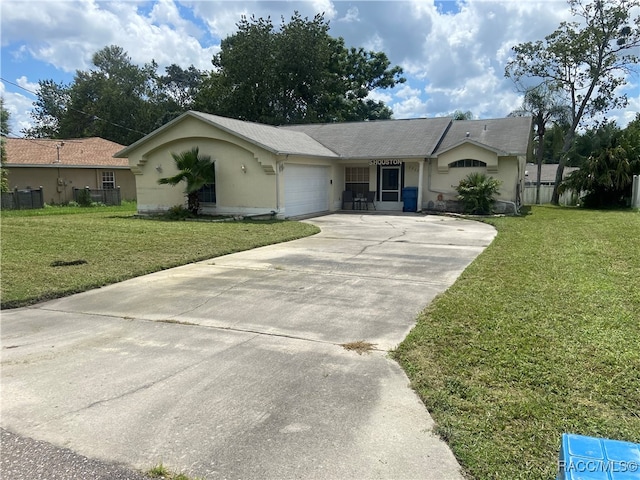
{"points": [[547, 175], [547, 181], [305, 169], [58, 166]]}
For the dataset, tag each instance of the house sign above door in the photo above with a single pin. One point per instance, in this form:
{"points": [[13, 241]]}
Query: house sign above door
{"points": [[385, 162]]}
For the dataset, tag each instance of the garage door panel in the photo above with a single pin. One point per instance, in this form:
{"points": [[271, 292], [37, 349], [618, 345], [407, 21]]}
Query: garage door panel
{"points": [[306, 189]]}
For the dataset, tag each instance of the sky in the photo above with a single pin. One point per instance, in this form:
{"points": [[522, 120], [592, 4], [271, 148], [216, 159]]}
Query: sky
{"points": [[453, 52]]}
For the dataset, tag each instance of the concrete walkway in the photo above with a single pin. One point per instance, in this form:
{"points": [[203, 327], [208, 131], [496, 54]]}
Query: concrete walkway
{"points": [[232, 367]]}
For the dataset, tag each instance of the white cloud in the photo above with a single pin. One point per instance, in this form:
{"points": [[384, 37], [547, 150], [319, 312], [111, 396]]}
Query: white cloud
{"points": [[411, 107], [67, 34], [27, 85], [351, 15], [375, 43], [380, 96], [165, 12], [19, 107], [452, 60], [406, 91], [326, 7]]}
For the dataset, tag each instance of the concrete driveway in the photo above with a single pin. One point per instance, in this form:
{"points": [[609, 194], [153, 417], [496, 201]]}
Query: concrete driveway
{"points": [[232, 367]]}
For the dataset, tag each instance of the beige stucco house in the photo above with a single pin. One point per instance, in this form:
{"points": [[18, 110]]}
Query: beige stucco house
{"points": [[59, 166], [305, 169]]}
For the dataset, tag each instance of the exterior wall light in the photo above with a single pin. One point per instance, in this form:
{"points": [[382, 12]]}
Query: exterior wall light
{"points": [[243, 168]]}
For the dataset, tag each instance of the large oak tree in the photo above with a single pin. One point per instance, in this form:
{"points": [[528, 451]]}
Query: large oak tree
{"points": [[295, 74]]}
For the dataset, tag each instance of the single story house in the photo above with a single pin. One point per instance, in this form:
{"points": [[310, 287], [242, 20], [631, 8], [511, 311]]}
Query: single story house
{"points": [[306, 169], [547, 174], [58, 166]]}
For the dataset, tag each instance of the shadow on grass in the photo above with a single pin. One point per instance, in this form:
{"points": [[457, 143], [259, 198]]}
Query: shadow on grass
{"points": [[525, 210]]}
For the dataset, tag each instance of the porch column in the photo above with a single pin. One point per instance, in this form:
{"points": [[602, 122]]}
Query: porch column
{"points": [[420, 182]]}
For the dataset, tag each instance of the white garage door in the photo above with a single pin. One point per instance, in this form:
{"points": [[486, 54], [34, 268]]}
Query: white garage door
{"points": [[306, 189]]}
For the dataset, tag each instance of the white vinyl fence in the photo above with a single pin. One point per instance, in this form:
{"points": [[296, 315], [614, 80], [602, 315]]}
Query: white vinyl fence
{"points": [[635, 192], [546, 191]]}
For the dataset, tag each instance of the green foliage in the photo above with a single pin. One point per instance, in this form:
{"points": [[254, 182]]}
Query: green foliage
{"points": [[553, 141], [584, 59], [587, 59], [477, 192], [196, 171], [178, 212], [115, 100], [606, 175], [84, 198], [545, 105], [295, 74], [460, 115], [4, 130], [49, 109], [162, 472]]}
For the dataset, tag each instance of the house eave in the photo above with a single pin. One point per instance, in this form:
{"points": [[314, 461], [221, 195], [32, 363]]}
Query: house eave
{"points": [[497, 151], [59, 165]]}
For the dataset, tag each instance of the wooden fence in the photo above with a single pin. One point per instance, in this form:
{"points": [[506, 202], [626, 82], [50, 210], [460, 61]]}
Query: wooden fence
{"points": [[23, 199]]}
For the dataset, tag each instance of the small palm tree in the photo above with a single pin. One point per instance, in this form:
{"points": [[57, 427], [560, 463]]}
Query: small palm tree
{"points": [[477, 192], [604, 179], [196, 171]]}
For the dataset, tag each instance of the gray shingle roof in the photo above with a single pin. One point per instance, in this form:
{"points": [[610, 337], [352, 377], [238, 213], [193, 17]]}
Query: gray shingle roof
{"points": [[548, 173], [379, 139], [414, 138], [509, 135], [274, 139]]}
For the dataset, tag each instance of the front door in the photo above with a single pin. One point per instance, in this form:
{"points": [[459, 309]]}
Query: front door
{"points": [[390, 184]]}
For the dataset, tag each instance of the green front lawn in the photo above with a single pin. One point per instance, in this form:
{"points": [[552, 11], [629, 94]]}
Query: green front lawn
{"points": [[539, 336], [115, 246]]}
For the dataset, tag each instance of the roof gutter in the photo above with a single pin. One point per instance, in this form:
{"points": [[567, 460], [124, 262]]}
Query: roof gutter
{"points": [[59, 165]]}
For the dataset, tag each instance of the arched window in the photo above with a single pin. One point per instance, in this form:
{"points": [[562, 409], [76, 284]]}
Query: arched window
{"points": [[467, 162]]}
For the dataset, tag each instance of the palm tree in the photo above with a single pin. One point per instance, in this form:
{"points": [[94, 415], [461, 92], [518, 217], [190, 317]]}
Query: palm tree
{"points": [[196, 170], [605, 179], [477, 193], [544, 105]]}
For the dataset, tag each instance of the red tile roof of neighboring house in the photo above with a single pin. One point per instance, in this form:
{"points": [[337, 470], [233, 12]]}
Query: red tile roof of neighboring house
{"points": [[83, 152]]}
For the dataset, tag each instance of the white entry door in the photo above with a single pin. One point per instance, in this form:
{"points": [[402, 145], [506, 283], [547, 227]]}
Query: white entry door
{"points": [[306, 189]]}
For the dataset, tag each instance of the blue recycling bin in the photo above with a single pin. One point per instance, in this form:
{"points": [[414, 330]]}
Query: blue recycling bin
{"points": [[410, 199]]}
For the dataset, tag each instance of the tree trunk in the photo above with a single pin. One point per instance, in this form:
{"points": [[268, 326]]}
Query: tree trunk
{"points": [[568, 143], [193, 203], [539, 155], [555, 197]]}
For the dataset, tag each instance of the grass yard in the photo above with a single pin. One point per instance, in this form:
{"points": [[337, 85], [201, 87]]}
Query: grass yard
{"points": [[539, 336], [115, 246]]}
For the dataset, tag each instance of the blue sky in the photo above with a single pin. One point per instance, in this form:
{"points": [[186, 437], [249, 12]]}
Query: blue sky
{"points": [[453, 52]]}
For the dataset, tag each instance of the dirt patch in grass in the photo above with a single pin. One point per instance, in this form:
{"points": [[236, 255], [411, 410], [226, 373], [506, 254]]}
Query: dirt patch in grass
{"points": [[360, 346], [94, 247]]}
